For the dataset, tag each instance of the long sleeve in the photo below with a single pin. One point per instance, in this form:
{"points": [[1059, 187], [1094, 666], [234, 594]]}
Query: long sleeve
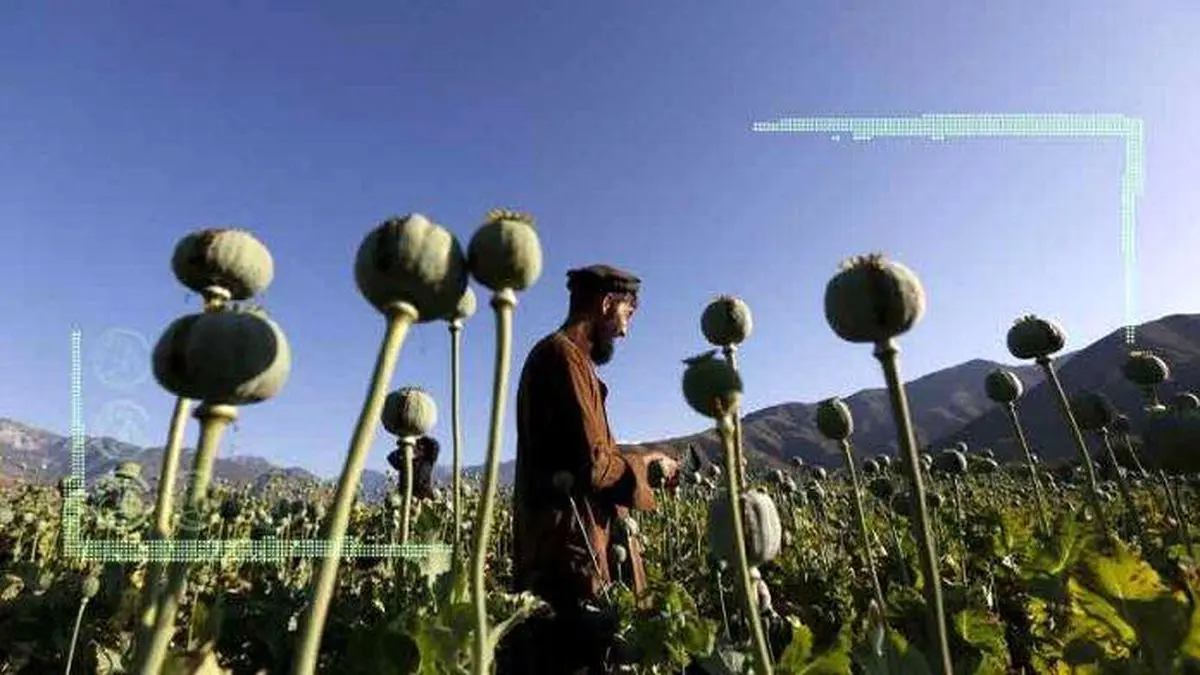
{"points": [[583, 434]]}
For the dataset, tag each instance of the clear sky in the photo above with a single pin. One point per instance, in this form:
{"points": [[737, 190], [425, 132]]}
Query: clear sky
{"points": [[624, 127]]}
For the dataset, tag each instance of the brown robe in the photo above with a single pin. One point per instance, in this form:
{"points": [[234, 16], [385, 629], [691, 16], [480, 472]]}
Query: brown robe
{"points": [[562, 426]]}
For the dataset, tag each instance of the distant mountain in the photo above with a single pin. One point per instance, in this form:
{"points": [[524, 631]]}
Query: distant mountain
{"points": [[1175, 338], [948, 406]]}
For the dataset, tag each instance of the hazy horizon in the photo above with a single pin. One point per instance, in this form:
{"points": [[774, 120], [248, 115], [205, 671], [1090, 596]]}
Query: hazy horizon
{"points": [[625, 130]]}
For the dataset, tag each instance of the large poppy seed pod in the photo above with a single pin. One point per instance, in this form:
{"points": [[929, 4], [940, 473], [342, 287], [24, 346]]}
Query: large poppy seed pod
{"points": [[1003, 386], [1032, 337], [1092, 410], [798, 462], [819, 473], [987, 465], [466, 306], [709, 383], [409, 412], [760, 523], [1186, 400], [962, 447], [1145, 369], [870, 467], [834, 419], [505, 251], [232, 358], [885, 461], [872, 299], [228, 258], [1121, 425], [726, 321], [951, 462], [1172, 440], [415, 261]]}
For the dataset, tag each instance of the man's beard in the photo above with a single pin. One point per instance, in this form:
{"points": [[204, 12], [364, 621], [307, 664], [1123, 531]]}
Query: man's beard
{"points": [[603, 349]]}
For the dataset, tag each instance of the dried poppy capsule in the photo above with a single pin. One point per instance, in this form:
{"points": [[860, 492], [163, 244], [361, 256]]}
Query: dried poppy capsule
{"points": [[620, 553], [91, 586], [1032, 337], [409, 412], [505, 252], [230, 259], [1003, 386], [834, 419], [1186, 400], [819, 473], [872, 299], [234, 358], [987, 465], [884, 461], [414, 261], [726, 321], [870, 467], [710, 385], [951, 462], [1093, 411], [1145, 369], [760, 524], [1121, 425]]}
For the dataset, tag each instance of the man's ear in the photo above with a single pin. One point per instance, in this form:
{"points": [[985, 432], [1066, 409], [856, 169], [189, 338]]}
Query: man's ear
{"points": [[607, 301]]}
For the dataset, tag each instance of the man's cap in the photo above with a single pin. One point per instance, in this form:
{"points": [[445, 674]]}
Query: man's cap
{"points": [[603, 279]]}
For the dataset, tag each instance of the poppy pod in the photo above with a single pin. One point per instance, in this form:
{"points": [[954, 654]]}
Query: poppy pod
{"points": [[505, 252], [819, 473], [228, 258], [1145, 369], [951, 462], [726, 321], [414, 261], [711, 386], [409, 412], [1121, 425], [834, 419], [1186, 401], [1032, 337], [1172, 438], [234, 358], [1092, 410], [1003, 386], [872, 299], [760, 522]]}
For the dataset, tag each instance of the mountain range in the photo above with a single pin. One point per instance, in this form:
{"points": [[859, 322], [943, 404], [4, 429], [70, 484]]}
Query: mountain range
{"points": [[948, 406]]}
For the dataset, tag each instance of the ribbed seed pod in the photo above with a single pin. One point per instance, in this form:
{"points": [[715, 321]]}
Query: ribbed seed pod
{"points": [[409, 412], [1093, 411], [505, 251], [465, 309], [873, 299], [228, 258], [414, 261], [709, 383], [760, 521], [834, 419], [1003, 386], [1186, 400], [1145, 369], [1032, 337], [234, 357], [726, 321]]}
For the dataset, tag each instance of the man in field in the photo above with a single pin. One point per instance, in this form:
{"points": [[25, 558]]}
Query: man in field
{"points": [[563, 527]]}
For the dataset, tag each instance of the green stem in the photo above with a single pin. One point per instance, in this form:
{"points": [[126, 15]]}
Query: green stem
{"points": [[1043, 511], [861, 516], [503, 303], [152, 583], [214, 419], [399, 318], [1137, 462], [888, 354], [406, 515], [725, 425], [730, 352], [1065, 407], [1123, 484], [456, 425], [75, 635]]}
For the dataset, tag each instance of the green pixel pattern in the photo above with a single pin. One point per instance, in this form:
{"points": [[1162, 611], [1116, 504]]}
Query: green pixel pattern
{"points": [[213, 550], [940, 127]]}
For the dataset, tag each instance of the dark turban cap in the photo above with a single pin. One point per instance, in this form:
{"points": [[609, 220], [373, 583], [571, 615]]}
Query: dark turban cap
{"points": [[602, 279]]}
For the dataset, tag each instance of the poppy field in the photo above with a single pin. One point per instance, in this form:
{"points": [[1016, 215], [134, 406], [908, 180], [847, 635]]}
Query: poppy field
{"points": [[934, 560]]}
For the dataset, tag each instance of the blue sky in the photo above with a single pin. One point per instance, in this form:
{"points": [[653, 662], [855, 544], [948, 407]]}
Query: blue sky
{"points": [[625, 128]]}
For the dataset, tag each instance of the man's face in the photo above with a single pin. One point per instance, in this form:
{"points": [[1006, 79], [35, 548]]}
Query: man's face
{"points": [[616, 313]]}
